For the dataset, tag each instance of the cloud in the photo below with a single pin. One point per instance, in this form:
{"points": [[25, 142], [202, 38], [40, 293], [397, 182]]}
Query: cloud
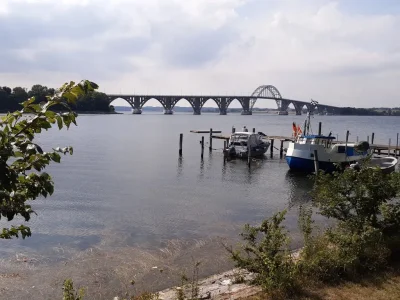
{"points": [[307, 50]]}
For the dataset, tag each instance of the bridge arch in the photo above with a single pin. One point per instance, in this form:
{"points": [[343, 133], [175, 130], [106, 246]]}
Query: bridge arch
{"points": [[176, 100], [128, 99], [266, 91]]}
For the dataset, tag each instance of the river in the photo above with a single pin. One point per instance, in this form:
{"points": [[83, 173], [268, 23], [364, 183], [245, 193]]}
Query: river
{"points": [[126, 186]]}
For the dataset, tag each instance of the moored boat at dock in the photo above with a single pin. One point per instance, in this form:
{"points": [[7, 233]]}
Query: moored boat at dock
{"points": [[300, 154], [240, 143]]}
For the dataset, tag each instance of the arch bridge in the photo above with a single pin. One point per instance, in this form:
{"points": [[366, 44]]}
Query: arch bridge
{"points": [[269, 92]]}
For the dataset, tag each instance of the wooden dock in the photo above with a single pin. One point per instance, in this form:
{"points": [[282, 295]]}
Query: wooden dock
{"points": [[380, 149]]}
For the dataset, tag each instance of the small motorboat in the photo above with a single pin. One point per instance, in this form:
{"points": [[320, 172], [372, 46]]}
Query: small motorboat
{"points": [[241, 142], [386, 163]]}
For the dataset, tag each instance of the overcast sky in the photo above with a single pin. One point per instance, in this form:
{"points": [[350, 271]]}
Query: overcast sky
{"points": [[344, 53]]}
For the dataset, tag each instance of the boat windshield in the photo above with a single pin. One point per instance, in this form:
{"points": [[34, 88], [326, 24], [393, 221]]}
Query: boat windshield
{"points": [[325, 141], [239, 139]]}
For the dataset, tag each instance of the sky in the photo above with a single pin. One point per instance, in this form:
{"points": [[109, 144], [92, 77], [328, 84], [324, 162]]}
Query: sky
{"points": [[341, 53]]}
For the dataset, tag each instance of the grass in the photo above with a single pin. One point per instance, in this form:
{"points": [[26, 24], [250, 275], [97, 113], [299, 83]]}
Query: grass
{"points": [[381, 287]]}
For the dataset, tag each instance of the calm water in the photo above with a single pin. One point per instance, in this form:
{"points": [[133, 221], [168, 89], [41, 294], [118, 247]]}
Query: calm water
{"points": [[125, 184]]}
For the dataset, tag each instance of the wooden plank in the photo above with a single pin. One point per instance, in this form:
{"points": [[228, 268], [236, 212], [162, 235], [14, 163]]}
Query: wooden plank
{"points": [[205, 131]]}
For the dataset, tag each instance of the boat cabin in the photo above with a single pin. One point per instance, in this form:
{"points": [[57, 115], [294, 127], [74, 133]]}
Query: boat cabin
{"points": [[242, 138], [325, 141]]}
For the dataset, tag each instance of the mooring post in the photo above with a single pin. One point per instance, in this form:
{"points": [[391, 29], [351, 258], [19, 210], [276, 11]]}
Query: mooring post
{"points": [[233, 129], [320, 128], [337, 137], [357, 138], [254, 130], [272, 148], [347, 140], [180, 144], [316, 162], [390, 141], [225, 144], [248, 154], [210, 148], [281, 150], [202, 146], [397, 144], [372, 138]]}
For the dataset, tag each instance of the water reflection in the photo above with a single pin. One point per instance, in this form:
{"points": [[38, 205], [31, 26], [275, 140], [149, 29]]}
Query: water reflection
{"points": [[179, 168], [299, 186]]}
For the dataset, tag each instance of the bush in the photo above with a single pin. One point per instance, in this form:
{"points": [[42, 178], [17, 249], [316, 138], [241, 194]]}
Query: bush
{"points": [[266, 255], [364, 238]]}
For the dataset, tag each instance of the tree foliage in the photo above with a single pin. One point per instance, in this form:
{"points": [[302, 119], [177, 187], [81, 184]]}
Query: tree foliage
{"points": [[360, 198], [22, 160], [11, 99]]}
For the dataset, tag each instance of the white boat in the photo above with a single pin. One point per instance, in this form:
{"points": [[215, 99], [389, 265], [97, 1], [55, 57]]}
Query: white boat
{"points": [[283, 113], [387, 164], [241, 142], [300, 153]]}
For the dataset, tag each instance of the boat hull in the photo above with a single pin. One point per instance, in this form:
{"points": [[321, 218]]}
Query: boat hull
{"points": [[307, 165]]}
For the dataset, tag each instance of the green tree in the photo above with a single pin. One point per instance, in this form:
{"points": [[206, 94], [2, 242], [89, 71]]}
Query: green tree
{"points": [[360, 198], [22, 160], [40, 93]]}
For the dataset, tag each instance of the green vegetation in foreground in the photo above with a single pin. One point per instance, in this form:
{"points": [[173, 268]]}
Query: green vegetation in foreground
{"points": [[22, 160], [364, 241], [92, 101]]}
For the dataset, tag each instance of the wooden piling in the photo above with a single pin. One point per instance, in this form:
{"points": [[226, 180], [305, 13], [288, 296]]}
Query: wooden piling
{"points": [[210, 148], [225, 144], [390, 141], [316, 162], [320, 128], [248, 155], [372, 138], [357, 138], [180, 144], [347, 140], [397, 144], [281, 149], [272, 148], [254, 130], [233, 129], [202, 146]]}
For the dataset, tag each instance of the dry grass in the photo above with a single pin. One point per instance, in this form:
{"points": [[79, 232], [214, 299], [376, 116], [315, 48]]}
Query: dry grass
{"points": [[386, 287]]}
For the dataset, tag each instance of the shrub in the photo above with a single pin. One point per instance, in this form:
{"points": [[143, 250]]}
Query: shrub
{"points": [[266, 255]]}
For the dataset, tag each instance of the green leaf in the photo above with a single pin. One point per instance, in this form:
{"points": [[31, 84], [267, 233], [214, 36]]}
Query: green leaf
{"points": [[59, 122]]}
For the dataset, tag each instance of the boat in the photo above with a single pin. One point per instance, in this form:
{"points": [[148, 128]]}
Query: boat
{"points": [[300, 153], [387, 164], [240, 143], [283, 113]]}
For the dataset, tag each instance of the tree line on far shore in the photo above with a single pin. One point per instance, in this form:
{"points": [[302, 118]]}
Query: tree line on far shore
{"points": [[11, 99]]}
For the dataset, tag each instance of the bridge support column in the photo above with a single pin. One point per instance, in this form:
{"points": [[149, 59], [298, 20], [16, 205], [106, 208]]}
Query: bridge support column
{"points": [[246, 107], [168, 106], [137, 107], [222, 106], [283, 107], [197, 106], [298, 107]]}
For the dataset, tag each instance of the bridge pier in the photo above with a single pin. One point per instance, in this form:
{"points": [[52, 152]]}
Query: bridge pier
{"points": [[137, 105], [246, 107], [298, 107], [246, 112], [168, 112]]}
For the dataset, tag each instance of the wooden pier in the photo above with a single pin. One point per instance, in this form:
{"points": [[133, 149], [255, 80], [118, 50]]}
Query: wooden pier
{"points": [[380, 149]]}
